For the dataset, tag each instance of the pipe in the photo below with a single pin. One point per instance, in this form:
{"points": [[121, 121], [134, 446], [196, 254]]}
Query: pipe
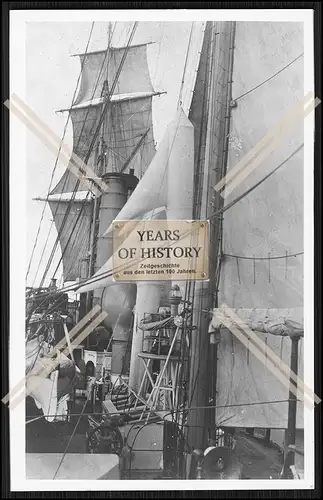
{"points": [[292, 405], [148, 301]]}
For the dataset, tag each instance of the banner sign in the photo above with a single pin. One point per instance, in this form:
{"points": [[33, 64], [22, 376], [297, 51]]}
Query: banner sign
{"points": [[152, 250]]}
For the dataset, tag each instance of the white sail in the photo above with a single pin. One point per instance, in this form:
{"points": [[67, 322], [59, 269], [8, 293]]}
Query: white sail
{"points": [[262, 267], [171, 160], [74, 233], [97, 66], [126, 122]]}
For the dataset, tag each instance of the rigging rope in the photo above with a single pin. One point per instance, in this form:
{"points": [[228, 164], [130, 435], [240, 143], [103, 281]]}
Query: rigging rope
{"points": [[109, 272], [78, 242], [88, 154], [75, 188], [170, 151], [255, 87], [105, 107], [254, 403], [80, 211], [270, 78], [55, 165], [97, 133], [155, 72], [73, 433], [192, 73], [286, 256], [93, 247], [180, 96], [78, 179], [243, 195]]}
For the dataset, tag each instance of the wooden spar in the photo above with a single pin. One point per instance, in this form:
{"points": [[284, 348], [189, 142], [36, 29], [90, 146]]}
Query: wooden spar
{"points": [[134, 151], [95, 212], [99, 161], [113, 48]]}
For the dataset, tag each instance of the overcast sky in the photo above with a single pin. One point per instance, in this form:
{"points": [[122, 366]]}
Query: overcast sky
{"points": [[51, 76]]}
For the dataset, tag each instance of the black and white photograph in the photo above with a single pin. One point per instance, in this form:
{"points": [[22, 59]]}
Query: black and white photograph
{"points": [[161, 236]]}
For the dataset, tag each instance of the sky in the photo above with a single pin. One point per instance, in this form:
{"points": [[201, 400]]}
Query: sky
{"points": [[51, 76]]}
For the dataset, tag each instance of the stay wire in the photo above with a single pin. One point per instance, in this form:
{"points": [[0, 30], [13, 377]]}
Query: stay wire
{"points": [[193, 408], [158, 55], [180, 96], [239, 198], [75, 189], [98, 128], [110, 272], [262, 82], [68, 288], [78, 180], [80, 242], [270, 78], [72, 435], [243, 257]]}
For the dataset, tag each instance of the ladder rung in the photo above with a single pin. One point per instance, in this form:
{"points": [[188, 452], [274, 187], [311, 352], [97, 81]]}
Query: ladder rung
{"points": [[137, 410], [120, 400], [156, 338], [150, 419]]}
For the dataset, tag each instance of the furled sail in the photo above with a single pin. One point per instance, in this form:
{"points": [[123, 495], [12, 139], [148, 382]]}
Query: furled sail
{"points": [[127, 129], [283, 322], [74, 233], [251, 379]]}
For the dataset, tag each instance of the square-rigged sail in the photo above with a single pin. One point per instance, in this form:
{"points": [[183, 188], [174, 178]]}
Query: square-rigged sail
{"points": [[127, 120], [119, 77], [73, 230]]}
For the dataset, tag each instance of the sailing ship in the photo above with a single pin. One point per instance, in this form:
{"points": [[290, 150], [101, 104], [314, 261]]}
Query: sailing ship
{"points": [[182, 388]]}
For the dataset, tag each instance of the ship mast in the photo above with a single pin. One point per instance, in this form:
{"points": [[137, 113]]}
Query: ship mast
{"points": [[214, 94], [100, 162]]}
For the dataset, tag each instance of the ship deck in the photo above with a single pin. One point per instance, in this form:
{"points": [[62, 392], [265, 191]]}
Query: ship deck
{"points": [[260, 460]]}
